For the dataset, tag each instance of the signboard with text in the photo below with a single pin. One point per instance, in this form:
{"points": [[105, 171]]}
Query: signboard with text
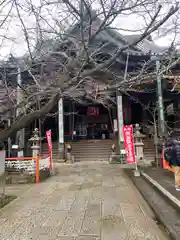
{"points": [[49, 142], [129, 144]]}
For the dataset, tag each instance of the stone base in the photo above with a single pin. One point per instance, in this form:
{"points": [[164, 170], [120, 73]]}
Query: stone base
{"points": [[112, 158], [69, 158], [61, 160], [61, 151], [137, 173]]}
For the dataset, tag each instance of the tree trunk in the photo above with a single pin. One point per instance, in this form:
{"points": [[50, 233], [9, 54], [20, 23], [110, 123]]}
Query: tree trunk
{"points": [[29, 118]]}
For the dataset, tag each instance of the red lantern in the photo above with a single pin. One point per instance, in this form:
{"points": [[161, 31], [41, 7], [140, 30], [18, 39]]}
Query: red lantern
{"points": [[93, 111], [96, 112]]}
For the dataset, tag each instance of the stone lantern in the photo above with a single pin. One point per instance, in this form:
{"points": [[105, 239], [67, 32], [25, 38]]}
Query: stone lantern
{"points": [[138, 142], [36, 140]]}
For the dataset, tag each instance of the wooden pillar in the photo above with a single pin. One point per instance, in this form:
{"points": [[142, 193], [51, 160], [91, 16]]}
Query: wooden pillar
{"points": [[177, 109], [20, 133], [61, 128], [144, 116], [70, 117], [9, 140], [160, 100], [126, 111]]}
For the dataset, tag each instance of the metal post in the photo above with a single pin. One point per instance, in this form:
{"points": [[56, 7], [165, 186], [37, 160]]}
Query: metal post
{"points": [[160, 100], [120, 126]]}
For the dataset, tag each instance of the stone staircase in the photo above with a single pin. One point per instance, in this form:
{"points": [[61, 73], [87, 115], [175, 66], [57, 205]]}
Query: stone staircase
{"points": [[149, 150], [91, 150], [98, 150], [84, 150], [54, 151]]}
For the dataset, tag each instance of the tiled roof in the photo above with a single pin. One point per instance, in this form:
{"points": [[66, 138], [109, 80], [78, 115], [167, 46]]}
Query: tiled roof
{"points": [[145, 47]]}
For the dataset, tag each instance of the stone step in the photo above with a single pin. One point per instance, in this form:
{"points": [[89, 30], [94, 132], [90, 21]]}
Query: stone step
{"points": [[56, 153], [92, 148], [91, 151], [85, 151], [90, 159], [98, 150], [90, 155]]}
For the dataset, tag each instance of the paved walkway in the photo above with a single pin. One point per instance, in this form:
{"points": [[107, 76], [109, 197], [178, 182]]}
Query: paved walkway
{"points": [[15, 189], [83, 202]]}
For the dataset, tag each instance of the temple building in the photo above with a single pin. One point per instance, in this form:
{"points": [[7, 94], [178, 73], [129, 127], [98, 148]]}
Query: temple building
{"points": [[95, 123]]}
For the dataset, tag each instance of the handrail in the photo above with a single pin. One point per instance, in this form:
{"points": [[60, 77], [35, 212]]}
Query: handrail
{"points": [[20, 158], [26, 158]]}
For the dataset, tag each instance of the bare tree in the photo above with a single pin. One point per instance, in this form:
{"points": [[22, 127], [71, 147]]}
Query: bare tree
{"points": [[68, 50]]}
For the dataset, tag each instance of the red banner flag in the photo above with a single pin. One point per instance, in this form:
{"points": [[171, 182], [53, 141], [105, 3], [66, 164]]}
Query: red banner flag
{"points": [[49, 142], [129, 144]]}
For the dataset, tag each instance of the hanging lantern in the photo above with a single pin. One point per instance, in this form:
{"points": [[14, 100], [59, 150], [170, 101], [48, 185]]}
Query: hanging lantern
{"points": [[89, 111], [93, 111], [96, 112]]}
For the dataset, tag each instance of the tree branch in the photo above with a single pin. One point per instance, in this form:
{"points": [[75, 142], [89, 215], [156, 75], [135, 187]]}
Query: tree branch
{"points": [[29, 118]]}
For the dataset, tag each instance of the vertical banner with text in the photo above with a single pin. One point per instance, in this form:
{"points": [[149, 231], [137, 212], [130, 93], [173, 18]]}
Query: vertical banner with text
{"points": [[49, 142], [129, 144]]}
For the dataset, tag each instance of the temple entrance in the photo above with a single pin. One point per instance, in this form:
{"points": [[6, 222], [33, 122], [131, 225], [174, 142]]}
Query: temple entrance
{"points": [[80, 122], [88, 122], [136, 113]]}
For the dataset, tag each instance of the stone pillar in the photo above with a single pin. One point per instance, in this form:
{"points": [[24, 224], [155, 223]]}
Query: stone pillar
{"points": [[139, 145], [120, 126], [61, 129]]}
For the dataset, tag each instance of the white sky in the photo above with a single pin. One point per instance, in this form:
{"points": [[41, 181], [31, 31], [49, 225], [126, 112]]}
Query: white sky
{"points": [[17, 45]]}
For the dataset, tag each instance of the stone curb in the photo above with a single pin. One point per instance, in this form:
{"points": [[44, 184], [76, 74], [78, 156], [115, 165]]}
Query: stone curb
{"points": [[167, 194], [163, 220]]}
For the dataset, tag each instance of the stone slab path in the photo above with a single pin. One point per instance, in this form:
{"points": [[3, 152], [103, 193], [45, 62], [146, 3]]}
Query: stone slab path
{"points": [[15, 189], [90, 201]]}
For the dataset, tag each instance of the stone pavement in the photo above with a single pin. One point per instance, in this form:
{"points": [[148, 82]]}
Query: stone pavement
{"points": [[15, 189], [82, 202]]}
